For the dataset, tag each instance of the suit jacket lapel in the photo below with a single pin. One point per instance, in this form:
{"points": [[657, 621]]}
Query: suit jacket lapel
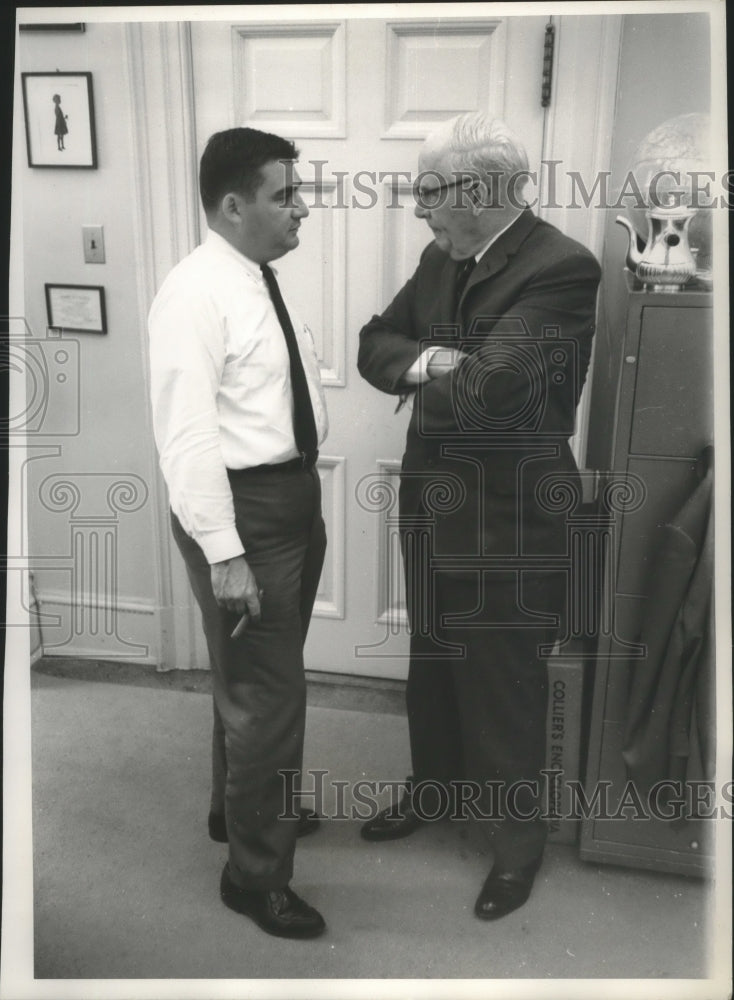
{"points": [[496, 256]]}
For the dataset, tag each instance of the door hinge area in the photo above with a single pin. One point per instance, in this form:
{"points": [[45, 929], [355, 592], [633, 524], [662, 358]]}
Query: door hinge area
{"points": [[548, 50]]}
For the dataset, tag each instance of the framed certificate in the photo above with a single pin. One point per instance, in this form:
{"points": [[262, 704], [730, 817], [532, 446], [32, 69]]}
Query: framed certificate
{"points": [[76, 308]]}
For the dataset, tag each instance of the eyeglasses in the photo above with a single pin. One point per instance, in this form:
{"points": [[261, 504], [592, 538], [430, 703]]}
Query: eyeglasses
{"points": [[433, 197]]}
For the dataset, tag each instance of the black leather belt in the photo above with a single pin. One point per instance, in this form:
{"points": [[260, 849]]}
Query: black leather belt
{"points": [[304, 462]]}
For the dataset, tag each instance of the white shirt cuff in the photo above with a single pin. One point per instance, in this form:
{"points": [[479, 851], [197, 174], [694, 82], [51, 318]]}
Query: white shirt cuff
{"points": [[220, 545], [418, 371]]}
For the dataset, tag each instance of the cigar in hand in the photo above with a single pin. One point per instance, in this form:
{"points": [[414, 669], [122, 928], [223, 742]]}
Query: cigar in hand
{"points": [[241, 625], [244, 620]]}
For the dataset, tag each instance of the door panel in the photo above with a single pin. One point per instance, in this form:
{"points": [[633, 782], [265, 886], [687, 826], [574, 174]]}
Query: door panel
{"points": [[358, 96]]}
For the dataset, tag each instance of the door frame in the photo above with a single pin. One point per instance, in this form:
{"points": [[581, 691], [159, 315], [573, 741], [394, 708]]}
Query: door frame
{"points": [[166, 226], [578, 132], [578, 129]]}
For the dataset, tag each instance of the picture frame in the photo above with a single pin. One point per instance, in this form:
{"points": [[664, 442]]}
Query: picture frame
{"points": [[55, 26], [59, 119], [76, 308]]}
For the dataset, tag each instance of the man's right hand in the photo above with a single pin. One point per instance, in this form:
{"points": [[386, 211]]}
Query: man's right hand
{"points": [[235, 587]]}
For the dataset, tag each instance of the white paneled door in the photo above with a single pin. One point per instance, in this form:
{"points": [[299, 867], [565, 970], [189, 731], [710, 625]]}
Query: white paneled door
{"points": [[358, 96]]}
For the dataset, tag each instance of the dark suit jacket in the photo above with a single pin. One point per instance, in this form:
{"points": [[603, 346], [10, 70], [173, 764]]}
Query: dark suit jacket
{"points": [[492, 429]]}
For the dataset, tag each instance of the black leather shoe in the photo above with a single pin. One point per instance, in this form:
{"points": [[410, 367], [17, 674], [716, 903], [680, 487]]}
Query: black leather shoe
{"points": [[308, 822], [392, 823], [505, 890], [276, 911]]}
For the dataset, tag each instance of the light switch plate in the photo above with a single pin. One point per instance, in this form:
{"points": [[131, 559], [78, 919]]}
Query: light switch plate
{"points": [[93, 238]]}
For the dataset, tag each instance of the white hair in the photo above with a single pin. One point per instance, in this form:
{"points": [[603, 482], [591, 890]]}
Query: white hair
{"points": [[479, 144]]}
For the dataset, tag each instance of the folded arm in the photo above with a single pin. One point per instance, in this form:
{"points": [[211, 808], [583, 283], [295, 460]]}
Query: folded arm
{"points": [[392, 352], [515, 358]]}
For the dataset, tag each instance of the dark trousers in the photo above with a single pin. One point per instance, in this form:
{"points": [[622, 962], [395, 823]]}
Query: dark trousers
{"points": [[258, 679], [477, 697]]}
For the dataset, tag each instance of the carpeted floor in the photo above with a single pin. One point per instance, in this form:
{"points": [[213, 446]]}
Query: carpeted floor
{"points": [[126, 879]]}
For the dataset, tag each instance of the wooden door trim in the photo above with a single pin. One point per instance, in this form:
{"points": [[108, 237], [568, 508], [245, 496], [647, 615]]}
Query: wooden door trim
{"points": [[578, 132], [166, 224]]}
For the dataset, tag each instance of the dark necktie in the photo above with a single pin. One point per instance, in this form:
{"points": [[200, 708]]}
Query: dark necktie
{"points": [[304, 425], [463, 271]]}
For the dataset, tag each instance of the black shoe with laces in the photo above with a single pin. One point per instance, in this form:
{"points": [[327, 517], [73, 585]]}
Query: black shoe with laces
{"points": [[276, 911]]}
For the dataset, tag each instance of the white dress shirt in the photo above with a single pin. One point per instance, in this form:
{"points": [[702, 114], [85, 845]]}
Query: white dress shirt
{"points": [[220, 386]]}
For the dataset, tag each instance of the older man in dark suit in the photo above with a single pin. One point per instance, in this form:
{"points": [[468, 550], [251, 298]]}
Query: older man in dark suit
{"points": [[491, 337]]}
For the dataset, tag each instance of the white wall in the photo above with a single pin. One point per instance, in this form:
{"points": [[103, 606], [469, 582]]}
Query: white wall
{"points": [[114, 434]]}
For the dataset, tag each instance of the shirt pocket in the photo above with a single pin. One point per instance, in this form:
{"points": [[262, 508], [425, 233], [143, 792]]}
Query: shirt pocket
{"points": [[255, 342]]}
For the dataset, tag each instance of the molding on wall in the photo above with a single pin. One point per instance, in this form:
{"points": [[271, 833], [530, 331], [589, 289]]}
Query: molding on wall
{"points": [[160, 84], [578, 132], [299, 38], [401, 121], [390, 609], [330, 597], [580, 119], [395, 248], [58, 612], [332, 352]]}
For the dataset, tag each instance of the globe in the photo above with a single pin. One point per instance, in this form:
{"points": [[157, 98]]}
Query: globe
{"points": [[680, 147]]}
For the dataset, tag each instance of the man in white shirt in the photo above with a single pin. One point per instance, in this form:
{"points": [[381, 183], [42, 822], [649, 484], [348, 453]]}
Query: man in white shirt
{"points": [[238, 415]]}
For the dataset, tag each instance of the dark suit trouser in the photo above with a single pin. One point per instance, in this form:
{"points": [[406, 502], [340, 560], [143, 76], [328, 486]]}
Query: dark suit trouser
{"points": [[480, 716], [258, 679]]}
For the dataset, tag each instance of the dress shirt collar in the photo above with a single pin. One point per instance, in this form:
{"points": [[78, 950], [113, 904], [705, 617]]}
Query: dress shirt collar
{"points": [[218, 243], [493, 239]]}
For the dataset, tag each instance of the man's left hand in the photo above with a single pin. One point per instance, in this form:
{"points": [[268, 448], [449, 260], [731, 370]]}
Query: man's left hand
{"points": [[444, 360]]}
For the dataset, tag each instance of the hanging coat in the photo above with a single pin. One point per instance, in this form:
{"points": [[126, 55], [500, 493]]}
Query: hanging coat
{"points": [[669, 725]]}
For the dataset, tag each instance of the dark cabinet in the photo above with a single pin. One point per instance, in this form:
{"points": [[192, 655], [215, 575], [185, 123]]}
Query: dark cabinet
{"points": [[662, 421]]}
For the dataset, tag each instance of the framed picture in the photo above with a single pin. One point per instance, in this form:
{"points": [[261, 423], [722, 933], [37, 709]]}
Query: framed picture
{"points": [[76, 308], [59, 119], [56, 26]]}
